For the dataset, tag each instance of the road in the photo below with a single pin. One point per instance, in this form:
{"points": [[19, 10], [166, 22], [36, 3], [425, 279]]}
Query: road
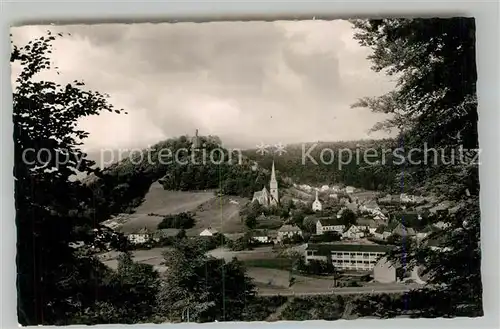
{"points": [[340, 291]]}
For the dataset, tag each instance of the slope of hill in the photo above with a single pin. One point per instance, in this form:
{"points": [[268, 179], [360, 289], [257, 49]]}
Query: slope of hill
{"points": [[163, 202], [222, 214]]}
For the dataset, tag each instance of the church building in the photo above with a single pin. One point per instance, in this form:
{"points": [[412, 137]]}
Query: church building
{"points": [[271, 197], [317, 206]]}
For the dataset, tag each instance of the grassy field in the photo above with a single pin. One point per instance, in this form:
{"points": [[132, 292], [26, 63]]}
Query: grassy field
{"points": [[164, 202], [273, 263], [221, 213]]}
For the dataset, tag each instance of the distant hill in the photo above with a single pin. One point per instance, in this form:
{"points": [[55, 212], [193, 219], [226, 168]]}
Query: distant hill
{"points": [[296, 163], [122, 186]]}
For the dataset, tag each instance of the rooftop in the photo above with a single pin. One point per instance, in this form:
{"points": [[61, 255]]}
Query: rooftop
{"points": [[328, 248], [330, 221], [289, 228]]}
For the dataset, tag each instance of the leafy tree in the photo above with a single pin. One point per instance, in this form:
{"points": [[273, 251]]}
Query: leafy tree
{"points": [[210, 288], [129, 295], [182, 220], [52, 211], [331, 236], [348, 217], [435, 103], [251, 222]]}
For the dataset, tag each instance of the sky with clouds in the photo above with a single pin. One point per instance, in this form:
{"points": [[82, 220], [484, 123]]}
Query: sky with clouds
{"points": [[247, 82]]}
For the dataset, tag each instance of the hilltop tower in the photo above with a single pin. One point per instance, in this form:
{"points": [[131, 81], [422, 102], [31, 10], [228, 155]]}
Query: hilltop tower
{"points": [[195, 141], [273, 188]]}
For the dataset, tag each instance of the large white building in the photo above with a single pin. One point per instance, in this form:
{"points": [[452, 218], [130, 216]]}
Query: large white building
{"points": [[329, 225], [316, 205], [270, 198], [358, 257]]}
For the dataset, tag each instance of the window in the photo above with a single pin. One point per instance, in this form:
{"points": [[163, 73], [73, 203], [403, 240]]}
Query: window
{"points": [[309, 253]]}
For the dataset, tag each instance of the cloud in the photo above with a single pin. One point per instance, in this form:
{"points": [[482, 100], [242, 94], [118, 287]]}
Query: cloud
{"points": [[284, 81]]}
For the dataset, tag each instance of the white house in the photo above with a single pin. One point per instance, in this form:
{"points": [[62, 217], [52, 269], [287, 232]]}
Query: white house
{"points": [[288, 231], [441, 225], [406, 198], [334, 196], [353, 232], [325, 188], [329, 225], [316, 205], [209, 232], [335, 188], [306, 187], [141, 236], [370, 207], [349, 189]]}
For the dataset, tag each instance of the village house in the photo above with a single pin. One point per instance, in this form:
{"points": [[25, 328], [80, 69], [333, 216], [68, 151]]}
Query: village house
{"points": [[353, 233], [324, 188], [441, 225], [316, 205], [329, 225], [262, 236], [405, 198], [336, 188], [382, 232], [306, 187], [288, 231], [367, 225], [404, 231], [370, 207], [358, 257], [349, 189], [334, 196], [141, 236], [390, 199], [208, 232]]}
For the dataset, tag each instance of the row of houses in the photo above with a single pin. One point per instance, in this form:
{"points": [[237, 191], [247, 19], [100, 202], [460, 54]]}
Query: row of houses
{"points": [[326, 188], [370, 227]]}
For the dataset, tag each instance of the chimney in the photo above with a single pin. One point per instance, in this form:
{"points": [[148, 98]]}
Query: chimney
{"points": [[196, 133]]}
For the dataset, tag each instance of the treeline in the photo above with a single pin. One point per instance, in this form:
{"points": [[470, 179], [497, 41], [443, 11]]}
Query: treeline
{"points": [[183, 220], [310, 164], [122, 186]]}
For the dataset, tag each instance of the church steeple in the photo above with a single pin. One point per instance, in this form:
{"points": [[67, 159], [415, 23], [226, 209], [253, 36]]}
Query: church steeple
{"points": [[273, 186], [273, 174]]}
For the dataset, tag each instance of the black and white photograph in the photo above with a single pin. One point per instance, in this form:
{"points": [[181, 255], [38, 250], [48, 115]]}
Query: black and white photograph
{"points": [[238, 171]]}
